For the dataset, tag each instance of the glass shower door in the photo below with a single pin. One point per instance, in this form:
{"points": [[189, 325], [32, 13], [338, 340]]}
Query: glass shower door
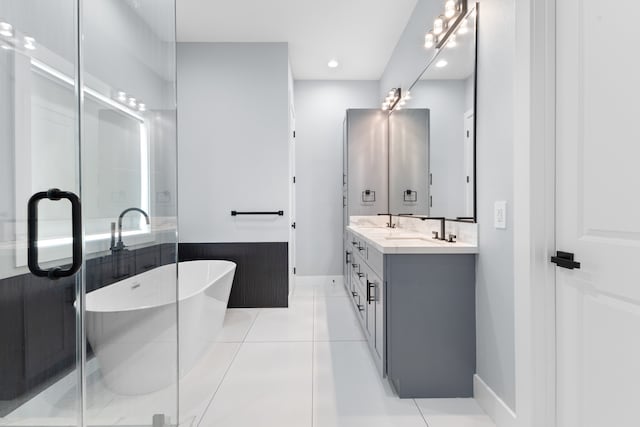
{"points": [[40, 320], [88, 274], [129, 211]]}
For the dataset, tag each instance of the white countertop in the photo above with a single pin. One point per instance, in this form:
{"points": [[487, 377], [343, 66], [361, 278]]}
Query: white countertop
{"points": [[401, 241]]}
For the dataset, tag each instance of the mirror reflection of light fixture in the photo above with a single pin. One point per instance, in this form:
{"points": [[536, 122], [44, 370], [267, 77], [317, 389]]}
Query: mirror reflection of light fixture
{"points": [[395, 100], [6, 29], [443, 25], [29, 43]]}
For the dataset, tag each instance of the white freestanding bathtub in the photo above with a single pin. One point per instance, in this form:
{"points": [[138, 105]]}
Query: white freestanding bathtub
{"points": [[131, 324]]}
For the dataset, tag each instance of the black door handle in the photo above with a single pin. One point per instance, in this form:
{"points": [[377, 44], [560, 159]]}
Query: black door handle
{"points": [[565, 260], [32, 232]]}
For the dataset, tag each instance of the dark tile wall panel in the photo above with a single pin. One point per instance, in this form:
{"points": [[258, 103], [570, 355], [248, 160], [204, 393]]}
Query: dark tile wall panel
{"points": [[37, 317], [262, 272]]}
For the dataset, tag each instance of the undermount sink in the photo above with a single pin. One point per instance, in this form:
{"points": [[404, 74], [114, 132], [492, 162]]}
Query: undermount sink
{"points": [[404, 238]]}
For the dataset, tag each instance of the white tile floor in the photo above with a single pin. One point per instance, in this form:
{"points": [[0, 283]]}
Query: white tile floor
{"points": [[304, 366]]}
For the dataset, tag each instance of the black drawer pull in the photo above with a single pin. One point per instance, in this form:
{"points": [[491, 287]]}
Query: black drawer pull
{"points": [[360, 307], [360, 275], [360, 248], [370, 298], [354, 265]]}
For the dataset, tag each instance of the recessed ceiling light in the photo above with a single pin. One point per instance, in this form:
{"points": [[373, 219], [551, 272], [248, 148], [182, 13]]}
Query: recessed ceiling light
{"points": [[442, 63], [333, 64]]}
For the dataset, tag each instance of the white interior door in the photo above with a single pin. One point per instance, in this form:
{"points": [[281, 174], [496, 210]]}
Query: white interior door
{"points": [[598, 213], [292, 199]]}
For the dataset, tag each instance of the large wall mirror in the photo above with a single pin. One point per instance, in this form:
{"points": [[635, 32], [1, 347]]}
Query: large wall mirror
{"points": [[432, 135]]}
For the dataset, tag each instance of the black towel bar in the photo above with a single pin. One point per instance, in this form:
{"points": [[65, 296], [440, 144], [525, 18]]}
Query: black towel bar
{"points": [[236, 213]]}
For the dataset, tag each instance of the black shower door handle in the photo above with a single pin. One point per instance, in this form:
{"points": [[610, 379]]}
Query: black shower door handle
{"points": [[32, 218]]}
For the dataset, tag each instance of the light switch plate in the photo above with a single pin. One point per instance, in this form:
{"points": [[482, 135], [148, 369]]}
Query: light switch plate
{"points": [[500, 215]]}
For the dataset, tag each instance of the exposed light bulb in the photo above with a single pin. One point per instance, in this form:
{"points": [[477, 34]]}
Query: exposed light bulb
{"points": [[29, 43], [441, 64], [333, 64], [402, 103], [407, 95], [142, 107], [452, 41], [429, 40], [132, 102], [122, 96], [450, 8], [438, 25], [392, 93], [6, 29]]}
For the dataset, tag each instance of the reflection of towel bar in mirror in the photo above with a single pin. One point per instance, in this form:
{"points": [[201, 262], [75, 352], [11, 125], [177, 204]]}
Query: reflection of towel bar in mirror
{"points": [[369, 196], [410, 196]]}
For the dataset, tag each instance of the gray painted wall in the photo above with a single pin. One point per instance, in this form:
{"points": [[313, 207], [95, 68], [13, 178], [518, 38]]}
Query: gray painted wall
{"points": [[233, 128], [446, 101], [409, 57], [494, 278], [320, 110]]}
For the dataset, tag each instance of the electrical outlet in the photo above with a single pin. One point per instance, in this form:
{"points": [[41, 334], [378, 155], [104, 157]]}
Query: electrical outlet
{"points": [[500, 215]]}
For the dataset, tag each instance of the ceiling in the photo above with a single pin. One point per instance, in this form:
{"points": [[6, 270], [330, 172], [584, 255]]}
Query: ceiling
{"points": [[360, 34]]}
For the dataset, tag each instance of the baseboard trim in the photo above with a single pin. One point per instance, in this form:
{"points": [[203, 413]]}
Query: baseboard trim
{"points": [[489, 401]]}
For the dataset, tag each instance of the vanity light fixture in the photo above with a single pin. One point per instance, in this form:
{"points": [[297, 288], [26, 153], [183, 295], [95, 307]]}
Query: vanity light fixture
{"points": [[454, 11], [430, 40], [122, 96], [450, 8], [6, 29], [439, 25], [333, 63]]}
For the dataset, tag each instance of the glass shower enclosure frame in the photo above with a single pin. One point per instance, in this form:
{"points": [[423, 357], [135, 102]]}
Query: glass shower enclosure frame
{"points": [[88, 213]]}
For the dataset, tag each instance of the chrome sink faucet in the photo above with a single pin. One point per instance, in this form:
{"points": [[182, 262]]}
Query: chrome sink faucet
{"points": [[120, 246]]}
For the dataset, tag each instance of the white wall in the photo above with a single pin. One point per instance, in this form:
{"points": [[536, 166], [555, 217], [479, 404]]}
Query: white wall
{"points": [[233, 126], [494, 121], [320, 110], [494, 281]]}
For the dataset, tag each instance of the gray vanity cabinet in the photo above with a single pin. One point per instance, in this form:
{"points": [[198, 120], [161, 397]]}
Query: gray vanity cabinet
{"points": [[418, 315]]}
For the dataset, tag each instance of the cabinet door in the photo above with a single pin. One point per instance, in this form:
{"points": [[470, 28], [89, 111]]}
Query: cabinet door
{"points": [[380, 323], [371, 306]]}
